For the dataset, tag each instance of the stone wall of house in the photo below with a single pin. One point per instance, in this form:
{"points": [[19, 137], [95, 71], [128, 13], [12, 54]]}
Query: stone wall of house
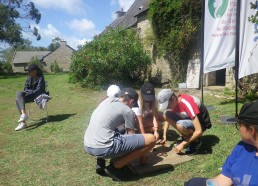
{"points": [[230, 78], [19, 68], [160, 67], [62, 56]]}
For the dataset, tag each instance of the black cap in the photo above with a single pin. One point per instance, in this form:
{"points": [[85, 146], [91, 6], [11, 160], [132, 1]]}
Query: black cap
{"points": [[148, 92], [131, 93], [32, 67], [249, 113]]}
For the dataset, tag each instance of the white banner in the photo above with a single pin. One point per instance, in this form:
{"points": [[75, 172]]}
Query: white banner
{"points": [[219, 34], [248, 46]]}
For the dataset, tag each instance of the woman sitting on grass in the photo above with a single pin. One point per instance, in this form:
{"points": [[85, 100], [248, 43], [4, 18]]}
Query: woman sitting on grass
{"points": [[34, 86], [241, 166]]}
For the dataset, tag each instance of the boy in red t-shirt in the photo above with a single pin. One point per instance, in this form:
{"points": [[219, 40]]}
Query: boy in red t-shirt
{"points": [[187, 115]]}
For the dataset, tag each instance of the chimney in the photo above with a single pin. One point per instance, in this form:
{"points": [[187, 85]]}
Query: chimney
{"points": [[62, 43], [120, 13]]}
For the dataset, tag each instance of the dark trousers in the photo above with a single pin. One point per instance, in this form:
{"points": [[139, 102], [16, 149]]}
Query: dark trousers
{"points": [[196, 182]]}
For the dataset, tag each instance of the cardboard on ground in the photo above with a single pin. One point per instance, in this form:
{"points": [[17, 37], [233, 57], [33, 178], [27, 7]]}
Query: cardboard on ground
{"points": [[161, 157]]}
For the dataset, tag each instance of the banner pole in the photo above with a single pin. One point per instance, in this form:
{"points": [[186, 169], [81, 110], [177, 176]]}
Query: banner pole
{"points": [[202, 47], [237, 52]]}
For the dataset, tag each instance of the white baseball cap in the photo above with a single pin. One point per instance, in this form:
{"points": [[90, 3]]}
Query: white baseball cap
{"points": [[163, 98], [113, 91]]}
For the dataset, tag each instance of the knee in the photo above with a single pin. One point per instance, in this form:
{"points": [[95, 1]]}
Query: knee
{"points": [[19, 94], [180, 127], [150, 140], [183, 130]]}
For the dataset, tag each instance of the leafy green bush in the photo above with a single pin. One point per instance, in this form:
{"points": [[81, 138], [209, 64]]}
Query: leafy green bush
{"points": [[54, 67], [5, 68], [113, 57]]}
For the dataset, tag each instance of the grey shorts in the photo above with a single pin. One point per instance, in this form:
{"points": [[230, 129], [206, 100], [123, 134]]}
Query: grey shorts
{"points": [[187, 123], [122, 144]]}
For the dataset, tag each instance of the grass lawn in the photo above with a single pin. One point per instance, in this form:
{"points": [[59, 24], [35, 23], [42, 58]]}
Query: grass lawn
{"points": [[52, 153]]}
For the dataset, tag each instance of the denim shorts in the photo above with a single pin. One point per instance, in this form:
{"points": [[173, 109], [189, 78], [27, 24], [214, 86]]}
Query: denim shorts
{"points": [[187, 123], [122, 144]]}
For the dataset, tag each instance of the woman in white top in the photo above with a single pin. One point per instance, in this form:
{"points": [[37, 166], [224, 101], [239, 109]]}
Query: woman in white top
{"points": [[147, 113]]}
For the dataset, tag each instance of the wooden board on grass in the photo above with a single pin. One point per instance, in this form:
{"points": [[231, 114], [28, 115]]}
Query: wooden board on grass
{"points": [[160, 158]]}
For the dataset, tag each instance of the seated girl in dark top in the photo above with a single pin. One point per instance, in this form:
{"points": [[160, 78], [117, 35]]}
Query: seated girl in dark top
{"points": [[34, 86]]}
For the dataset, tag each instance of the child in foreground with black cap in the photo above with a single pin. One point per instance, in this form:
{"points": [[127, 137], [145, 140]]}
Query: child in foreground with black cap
{"points": [[241, 166]]}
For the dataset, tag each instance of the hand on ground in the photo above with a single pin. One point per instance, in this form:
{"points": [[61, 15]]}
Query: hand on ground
{"points": [[164, 140], [179, 148]]}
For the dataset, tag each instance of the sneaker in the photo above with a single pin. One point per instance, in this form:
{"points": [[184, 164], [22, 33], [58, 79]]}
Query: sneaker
{"points": [[100, 166], [23, 118], [193, 147], [22, 125], [114, 173]]}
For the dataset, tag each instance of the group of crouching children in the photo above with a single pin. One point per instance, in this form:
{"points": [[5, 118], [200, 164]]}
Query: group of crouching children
{"points": [[126, 125]]}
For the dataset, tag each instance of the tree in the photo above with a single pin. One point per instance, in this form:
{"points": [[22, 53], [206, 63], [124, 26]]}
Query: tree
{"points": [[54, 44], [114, 57], [14, 17], [254, 18], [6, 54]]}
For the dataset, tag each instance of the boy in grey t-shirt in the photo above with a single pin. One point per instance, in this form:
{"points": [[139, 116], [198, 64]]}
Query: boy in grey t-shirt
{"points": [[102, 141]]}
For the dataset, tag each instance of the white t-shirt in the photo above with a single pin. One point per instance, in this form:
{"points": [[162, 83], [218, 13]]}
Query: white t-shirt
{"points": [[148, 109]]}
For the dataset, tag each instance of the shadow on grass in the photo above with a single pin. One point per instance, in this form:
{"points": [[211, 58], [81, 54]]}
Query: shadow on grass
{"points": [[172, 135], [208, 141], [224, 102], [167, 168], [55, 118], [130, 176]]}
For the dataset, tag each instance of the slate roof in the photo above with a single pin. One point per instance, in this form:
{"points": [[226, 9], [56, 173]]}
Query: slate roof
{"points": [[26, 56], [130, 18]]}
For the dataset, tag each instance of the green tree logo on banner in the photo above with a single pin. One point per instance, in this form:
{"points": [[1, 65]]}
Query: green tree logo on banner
{"points": [[217, 8]]}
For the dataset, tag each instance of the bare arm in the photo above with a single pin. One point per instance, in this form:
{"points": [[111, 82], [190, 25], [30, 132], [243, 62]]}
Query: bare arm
{"points": [[155, 124], [197, 129], [196, 134], [165, 129]]}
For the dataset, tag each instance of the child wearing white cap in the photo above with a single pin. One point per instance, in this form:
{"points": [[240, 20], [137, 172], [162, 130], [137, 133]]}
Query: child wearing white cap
{"points": [[113, 91]]}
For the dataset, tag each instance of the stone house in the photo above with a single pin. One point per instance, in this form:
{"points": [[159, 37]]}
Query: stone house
{"points": [[62, 56], [137, 17]]}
